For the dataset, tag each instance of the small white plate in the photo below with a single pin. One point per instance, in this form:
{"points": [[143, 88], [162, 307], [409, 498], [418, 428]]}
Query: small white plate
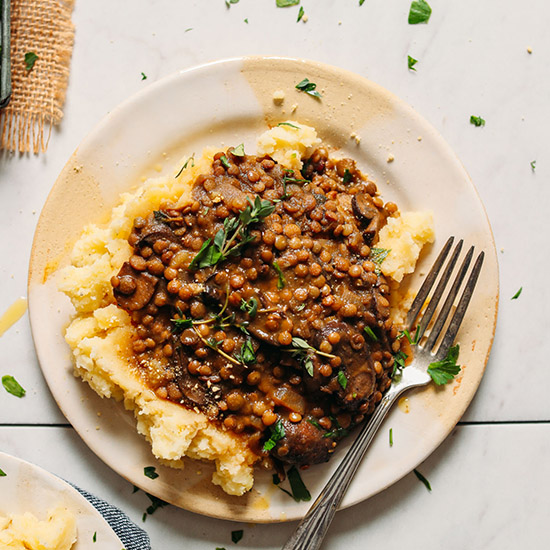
{"points": [[28, 488], [223, 104]]}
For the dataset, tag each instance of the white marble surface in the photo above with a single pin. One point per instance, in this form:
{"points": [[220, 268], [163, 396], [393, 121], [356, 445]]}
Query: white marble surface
{"points": [[490, 481]]}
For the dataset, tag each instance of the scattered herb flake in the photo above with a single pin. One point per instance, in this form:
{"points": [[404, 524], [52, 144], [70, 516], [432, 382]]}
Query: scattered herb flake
{"points": [[422, 479], [370, 334], [517, 294], [236, 536], [30, 60], [308, 87], [342, 379], [281, 278], [533, 165], [246, 20], [289, 125], [347, 176], [419, 12], [314, 422], [11, 385], [338, 431], [188, 29], [412, 341], [411, 62], [361, 2], [156, 503], [94, 538], [2, 473], [286, 3], [218, 548], [477, 121], [134, 489], [150, 472], [191, 160], [246, 355], [229, 2], [300, 14], [378, 255], [399, 359], [301, 306], [391, 437], [445, 370], [143, 76], [238, 151], [277, 433], [299, 490], [225, 161], [250, 306]]}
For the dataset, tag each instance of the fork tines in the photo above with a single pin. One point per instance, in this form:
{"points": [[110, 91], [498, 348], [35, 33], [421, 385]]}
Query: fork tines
{"points": [[426, 287]]}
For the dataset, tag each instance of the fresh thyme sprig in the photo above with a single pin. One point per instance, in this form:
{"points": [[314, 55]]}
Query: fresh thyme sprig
{"points": [[234, 235], [303, 352]]}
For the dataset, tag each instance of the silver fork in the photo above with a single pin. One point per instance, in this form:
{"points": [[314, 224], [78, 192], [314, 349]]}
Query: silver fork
{"points": [[312, 529]]}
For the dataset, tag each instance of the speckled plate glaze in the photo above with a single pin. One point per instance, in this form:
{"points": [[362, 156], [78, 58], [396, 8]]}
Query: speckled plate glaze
{"points": [[223, 104], [28, 488]]}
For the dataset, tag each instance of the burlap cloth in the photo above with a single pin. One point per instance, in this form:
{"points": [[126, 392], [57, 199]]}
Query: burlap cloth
{"points": [[43, 27]]}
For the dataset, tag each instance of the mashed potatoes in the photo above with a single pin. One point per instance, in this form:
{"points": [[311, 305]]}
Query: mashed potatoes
{"points": [[26, 532], [101, 333]]}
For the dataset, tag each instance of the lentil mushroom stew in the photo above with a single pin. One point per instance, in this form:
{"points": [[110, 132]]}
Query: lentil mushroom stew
{"points": [[260, 303]]}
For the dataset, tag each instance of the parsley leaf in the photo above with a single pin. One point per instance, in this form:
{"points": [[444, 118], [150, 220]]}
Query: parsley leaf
{"points": [[281, 278], [143, 76], [419, 12], [238, 151], [297, 486], [277, 433], [300, 14], [391, 437], [411, 62], [94, 538], [11, 385], [289, 125], [378, 255], [361, 2], [308, 87], [422, 479], [342, 379], [2, 473], [286, 3], [399, 359], [30, 60], [477, 121], [150, 472], [236, 536], [370, 334], [533, 164], [445, 370], [517, 294]]}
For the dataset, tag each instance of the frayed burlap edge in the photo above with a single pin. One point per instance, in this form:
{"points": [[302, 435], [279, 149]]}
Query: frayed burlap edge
{"points": [[28, 128]]}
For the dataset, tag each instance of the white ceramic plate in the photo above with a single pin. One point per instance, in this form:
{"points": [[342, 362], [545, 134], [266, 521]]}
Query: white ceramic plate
{"points": [[223, 104], [28, 488]]}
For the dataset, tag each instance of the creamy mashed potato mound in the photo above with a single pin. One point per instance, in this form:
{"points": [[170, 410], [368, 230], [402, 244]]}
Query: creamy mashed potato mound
{"points": [[101, 333], [26, 532]]}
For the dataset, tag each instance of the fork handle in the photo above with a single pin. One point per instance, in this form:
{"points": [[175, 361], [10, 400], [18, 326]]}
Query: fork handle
{"points": [[312, 529]]}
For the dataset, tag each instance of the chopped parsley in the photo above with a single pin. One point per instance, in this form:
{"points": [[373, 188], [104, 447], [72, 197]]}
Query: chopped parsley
{"points": [[30, 60], [419, 12], [11, 385], [2, 473], [277, 433], [234, 235], [517, 294], [298, 490], [533, 164], [338, 431], [229, 2], [422, 479], [391, 437], [445, 370], [238, 151], [399, 359], [342, 379], [281, 278], [188, 29], [246, 355], [300, 14], [250, 306], [191, 160], [361, 2], [286, 3], [289, 125], [378, 255], [143, 76], [347, 176], [150, 472], [411, 62], [477, 121], [156, 503], [412, 341], [236, 536], [94, 538], [308, 87], [224, 160], [370, 334]]}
